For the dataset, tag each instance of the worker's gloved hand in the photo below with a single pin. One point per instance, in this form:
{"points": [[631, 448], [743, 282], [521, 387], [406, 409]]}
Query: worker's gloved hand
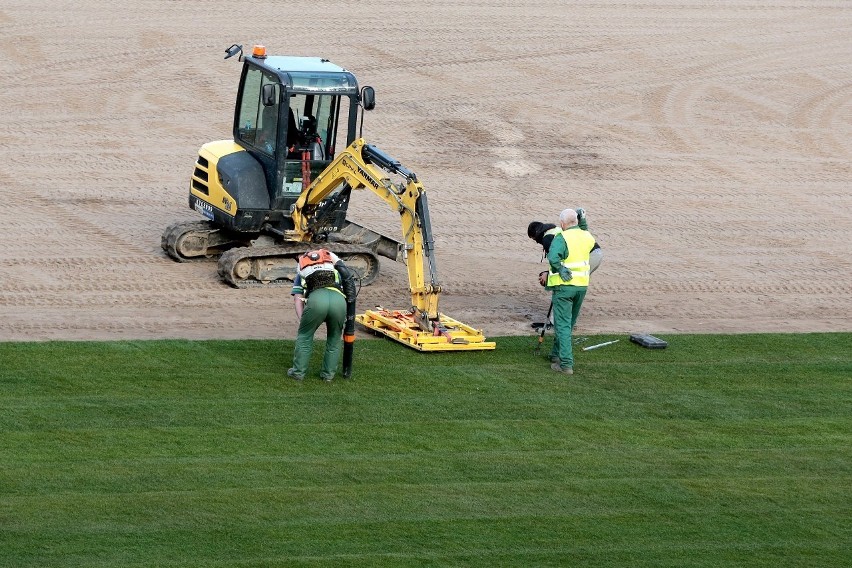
{"points": [[565, 273], [581, 219]]}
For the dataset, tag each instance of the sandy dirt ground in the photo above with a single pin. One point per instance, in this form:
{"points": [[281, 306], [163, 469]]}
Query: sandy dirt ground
{"points": [[710, 142]]}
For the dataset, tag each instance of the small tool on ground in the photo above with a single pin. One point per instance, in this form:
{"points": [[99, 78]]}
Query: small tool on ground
{"points": [[590, 347]]}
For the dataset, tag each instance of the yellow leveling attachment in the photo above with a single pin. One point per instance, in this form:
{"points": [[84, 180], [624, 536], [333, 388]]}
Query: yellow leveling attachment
{"points": [[447, 335]]}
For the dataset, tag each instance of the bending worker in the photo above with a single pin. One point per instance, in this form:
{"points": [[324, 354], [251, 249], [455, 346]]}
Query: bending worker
{"points": [[568, 279], [318, 297]]}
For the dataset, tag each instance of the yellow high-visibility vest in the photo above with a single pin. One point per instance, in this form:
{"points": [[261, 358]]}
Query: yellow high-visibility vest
{"points": [[579, 243]]}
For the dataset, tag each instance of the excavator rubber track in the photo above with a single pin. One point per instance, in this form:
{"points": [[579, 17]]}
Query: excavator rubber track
{"points": [[192, 241], [257, 267]]}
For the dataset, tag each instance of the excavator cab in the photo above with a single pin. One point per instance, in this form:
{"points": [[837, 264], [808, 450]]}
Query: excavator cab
{"points": [[291, 115]]}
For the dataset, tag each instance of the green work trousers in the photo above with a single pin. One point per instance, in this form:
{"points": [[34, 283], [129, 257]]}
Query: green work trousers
{"points": [[567, 301], [323, 305]]}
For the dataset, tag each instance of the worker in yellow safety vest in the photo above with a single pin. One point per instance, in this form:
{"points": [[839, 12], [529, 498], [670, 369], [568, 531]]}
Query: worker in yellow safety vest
{"points": [[568, 279], [544, 233]]}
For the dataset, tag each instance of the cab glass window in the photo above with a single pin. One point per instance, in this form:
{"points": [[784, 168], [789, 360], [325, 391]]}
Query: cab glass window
{"points": [[319, 119], [257, 125]]}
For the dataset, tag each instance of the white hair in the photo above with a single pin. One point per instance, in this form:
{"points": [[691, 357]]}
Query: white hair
{"points": [[568, 217]]}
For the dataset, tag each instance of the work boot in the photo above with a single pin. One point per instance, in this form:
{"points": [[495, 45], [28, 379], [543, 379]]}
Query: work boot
{"points": [[291, 372], [560, 369]]}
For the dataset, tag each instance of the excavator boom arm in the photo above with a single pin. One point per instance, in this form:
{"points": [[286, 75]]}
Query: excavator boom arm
{"points": [[362, 166]]}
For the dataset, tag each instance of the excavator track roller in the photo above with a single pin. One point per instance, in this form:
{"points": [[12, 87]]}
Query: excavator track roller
{"points": [[196, 240], [253, 267]]}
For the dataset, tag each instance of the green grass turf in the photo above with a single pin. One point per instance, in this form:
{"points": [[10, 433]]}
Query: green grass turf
{"points": [[718, 451]]}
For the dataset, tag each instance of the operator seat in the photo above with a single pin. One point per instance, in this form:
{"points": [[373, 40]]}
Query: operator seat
{"points": [[311, 138]]}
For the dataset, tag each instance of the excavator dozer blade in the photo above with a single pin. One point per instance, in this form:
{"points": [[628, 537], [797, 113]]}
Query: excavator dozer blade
{"points": [[447, 335]]}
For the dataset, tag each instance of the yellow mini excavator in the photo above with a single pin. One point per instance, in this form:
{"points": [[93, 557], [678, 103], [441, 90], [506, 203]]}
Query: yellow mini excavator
{"points": [[279, 189], [289, 115]]}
